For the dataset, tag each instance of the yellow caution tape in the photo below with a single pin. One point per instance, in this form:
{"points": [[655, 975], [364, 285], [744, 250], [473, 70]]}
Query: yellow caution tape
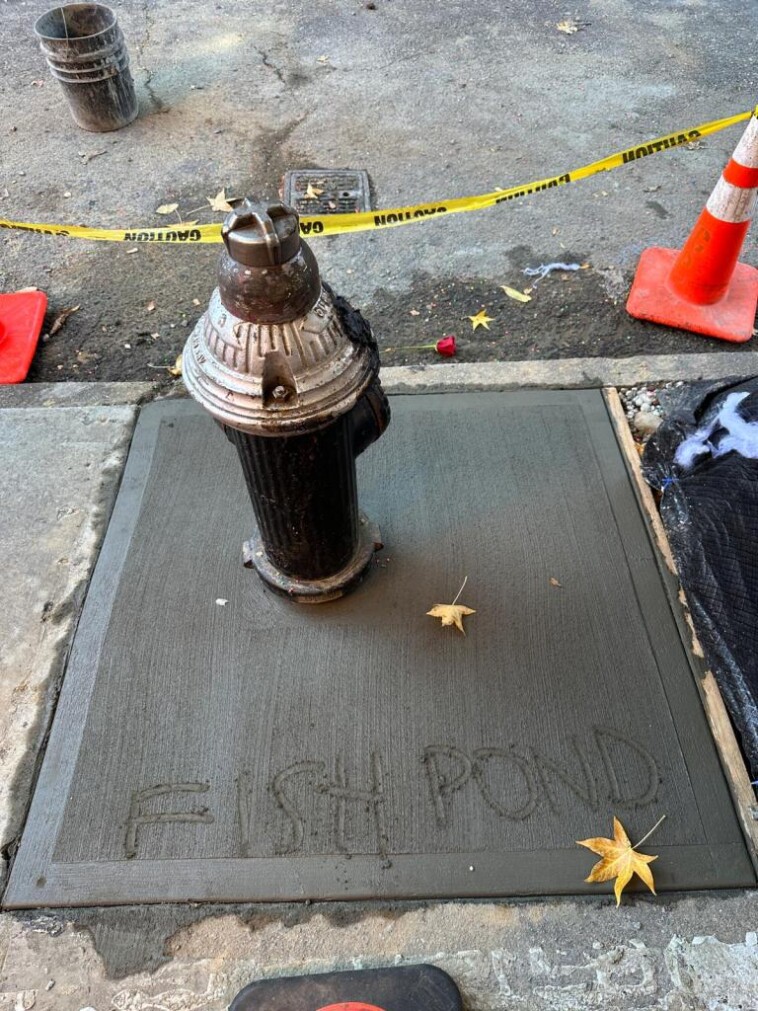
{"points": [[337, 224]]}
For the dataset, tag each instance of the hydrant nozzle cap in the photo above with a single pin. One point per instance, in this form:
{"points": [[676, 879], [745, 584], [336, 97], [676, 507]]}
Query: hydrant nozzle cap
{"points": [[257, 235]]}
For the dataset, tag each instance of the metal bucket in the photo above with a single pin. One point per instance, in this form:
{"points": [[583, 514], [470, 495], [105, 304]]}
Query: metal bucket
{"points": [[86, 52]]}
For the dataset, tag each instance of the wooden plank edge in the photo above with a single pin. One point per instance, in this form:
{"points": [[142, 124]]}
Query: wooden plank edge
{"points": [[719, 721]]}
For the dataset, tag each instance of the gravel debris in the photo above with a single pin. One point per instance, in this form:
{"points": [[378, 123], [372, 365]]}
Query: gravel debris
{"points": [[643, 408]]}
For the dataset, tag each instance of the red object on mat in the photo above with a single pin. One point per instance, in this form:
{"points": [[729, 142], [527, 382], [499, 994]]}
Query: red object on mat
{"points": [[21, 316], [351, 1006]]}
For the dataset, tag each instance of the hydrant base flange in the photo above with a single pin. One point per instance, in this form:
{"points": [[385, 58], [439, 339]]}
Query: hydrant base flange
{"points": [[316, 591]]}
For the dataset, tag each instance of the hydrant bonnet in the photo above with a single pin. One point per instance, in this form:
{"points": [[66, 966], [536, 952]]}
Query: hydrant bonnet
{"points": [[271, 326]]}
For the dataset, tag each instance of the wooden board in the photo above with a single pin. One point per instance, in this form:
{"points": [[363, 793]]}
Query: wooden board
{"points": [[215, 742]]}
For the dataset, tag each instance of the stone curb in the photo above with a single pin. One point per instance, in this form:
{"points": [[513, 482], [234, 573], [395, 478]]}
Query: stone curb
{"points": [[561, 373]]}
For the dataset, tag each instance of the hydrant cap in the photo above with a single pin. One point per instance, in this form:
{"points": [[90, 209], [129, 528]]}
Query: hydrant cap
{"points": [[257, 235]]}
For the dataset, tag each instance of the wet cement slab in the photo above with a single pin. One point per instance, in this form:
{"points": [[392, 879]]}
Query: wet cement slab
{"points": [[255, 750]]}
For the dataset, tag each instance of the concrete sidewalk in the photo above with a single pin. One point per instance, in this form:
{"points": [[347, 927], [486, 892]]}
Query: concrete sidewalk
{"points": [[63, 451]]}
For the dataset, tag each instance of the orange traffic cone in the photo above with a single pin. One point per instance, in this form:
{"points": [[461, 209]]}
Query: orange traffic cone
{"points": [[703, 288]]}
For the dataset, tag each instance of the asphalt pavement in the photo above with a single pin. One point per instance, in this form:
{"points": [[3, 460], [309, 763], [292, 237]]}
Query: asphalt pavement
{"points": [[434, 101]]}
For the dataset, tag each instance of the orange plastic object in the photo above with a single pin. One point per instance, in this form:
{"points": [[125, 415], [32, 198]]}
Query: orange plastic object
{"points": [[351, 1006], [653, 296], [21, 316], [704, 288]]}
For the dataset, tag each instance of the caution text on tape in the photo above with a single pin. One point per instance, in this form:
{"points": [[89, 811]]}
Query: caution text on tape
{"points": [[338, 224]]}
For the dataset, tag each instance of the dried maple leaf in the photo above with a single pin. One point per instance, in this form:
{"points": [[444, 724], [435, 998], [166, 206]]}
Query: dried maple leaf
{"points": [[166, 208], [219, 202], [620, 859], [481, 319], [312, 192], [452, 614]]}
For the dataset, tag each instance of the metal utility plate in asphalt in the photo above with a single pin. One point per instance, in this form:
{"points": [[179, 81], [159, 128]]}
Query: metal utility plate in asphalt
{"points": [[216, 742], [336, 191]]}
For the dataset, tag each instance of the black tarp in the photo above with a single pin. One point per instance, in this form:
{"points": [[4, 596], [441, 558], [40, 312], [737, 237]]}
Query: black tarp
{"points": [[704, 461]]}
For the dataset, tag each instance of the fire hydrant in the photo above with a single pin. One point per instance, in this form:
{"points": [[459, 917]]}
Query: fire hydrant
{"points": [[291, 373]]}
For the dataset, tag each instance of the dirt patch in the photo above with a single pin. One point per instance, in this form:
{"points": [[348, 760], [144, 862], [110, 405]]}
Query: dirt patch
{"points": [[116, 336]]}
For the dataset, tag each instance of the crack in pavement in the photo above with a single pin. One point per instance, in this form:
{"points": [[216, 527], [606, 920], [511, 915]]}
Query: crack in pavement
{"points": [[147, 9], [266, 60]]}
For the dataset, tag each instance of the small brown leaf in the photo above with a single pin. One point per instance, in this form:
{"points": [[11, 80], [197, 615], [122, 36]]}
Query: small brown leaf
{"points": [[61, 318], [87, 156], [150, 307], [166, 208], [554, 582]]}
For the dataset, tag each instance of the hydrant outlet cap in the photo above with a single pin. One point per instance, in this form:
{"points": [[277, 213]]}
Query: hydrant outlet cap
{"points": [[257, 235]]}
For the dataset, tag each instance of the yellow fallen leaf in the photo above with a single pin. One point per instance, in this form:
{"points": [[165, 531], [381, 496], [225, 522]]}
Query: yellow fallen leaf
{"points": [[620, 859], [519, 296], [312, 193], [177, 368], [568, 27], [166, 208], [452, 614], [481, 319], [219, 202]]}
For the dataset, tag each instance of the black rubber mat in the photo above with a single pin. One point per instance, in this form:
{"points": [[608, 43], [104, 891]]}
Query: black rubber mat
{"points": [[216, 742], [406, 988]]}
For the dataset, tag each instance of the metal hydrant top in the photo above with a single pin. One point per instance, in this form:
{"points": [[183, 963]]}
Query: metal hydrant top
{"points": [[258, 237], [273, 354]]}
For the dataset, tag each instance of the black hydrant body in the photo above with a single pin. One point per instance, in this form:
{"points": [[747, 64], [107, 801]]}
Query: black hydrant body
{"points": [[291, 372]]}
